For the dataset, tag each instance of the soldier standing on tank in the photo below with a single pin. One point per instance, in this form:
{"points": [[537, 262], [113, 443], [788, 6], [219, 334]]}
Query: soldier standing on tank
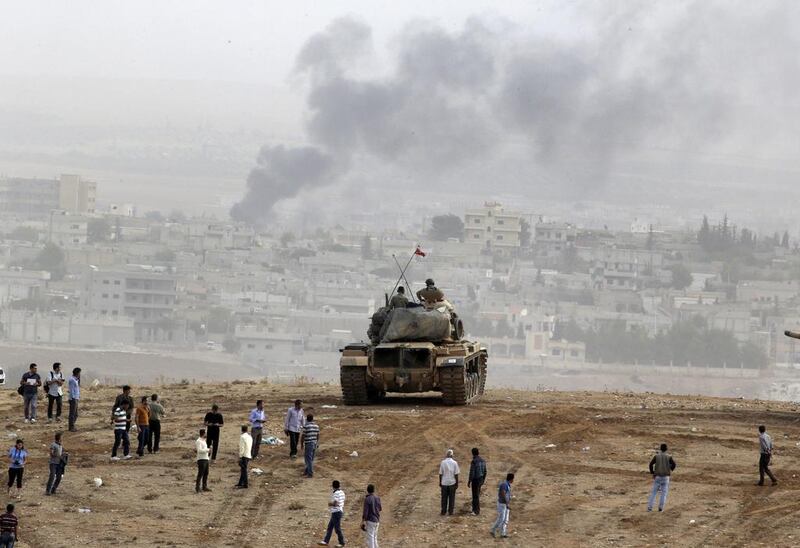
{"points": [[399, 300], [431, 294]]}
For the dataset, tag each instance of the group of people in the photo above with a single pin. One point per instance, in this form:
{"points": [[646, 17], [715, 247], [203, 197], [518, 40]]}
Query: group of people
{"points": [[147, 417], [54, 389]]}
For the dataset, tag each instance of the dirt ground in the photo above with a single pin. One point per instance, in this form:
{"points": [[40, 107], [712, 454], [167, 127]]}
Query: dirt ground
{"points": [[589, 489]]}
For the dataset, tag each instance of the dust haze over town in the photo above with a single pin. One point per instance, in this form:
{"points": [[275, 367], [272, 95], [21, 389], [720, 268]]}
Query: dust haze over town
{"points": [[606, 192]]}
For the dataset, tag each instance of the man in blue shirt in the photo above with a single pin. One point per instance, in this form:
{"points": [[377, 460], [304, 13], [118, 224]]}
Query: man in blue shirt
{"points": [[257, 419], [74, 388], [503, 504]]}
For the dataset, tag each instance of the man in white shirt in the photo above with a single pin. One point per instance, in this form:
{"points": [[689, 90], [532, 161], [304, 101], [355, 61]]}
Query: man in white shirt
{"points": [[336, 506], [53, 383], [202, 462], [448, 482], [293, 425], [245, 449]]}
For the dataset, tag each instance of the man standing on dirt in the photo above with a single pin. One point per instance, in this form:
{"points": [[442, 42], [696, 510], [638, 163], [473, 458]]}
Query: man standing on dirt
{"points": [[661, 466], [74, 387], [308, 443], [245, 449], [448, 482], [336, 507], [30, 383], [257, 419], [56, 465], [119, 419], [765, 443], [154, 434], [142, 425], [293, 425], [202, 462], [53, 384], [8, 527], [503, 507], [213, 421], [371, 517], [125, 397], [477, 476]]}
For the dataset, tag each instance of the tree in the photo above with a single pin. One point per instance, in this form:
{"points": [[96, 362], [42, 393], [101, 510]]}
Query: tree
{"points": [[681, 277], [98, 230], [447, 226], [287, 238], [177, 216], [785, 240], [24, 234], [51, 258]]}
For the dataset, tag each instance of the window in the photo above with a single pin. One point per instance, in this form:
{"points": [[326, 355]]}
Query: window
{"points": [[558, 235], [501, 222], [476, 236], [75, 241], [104, 312], [75, 227], [499, 236], [114, 312], [116, 282], [251, 346], [573, 353], [556, 352], [105, 295], [477, 221], [105, 282], [268, 346], [116, 295]]}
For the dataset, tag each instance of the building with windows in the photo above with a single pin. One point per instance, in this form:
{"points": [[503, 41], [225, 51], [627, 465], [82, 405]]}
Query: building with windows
{"points": [[28, 198], [493, 227], [67, 229], [144, 294], [77, 195]]}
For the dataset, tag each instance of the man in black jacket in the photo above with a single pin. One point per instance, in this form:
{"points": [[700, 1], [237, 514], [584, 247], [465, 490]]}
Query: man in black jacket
{"points": [[477, 477], [661, 466]]}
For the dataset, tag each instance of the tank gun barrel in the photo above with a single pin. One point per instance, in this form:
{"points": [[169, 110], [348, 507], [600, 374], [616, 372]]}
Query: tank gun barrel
{"points": [[792, 334]]}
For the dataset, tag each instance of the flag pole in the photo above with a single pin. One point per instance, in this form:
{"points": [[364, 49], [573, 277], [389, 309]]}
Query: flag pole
{"points": [[403, 270], [403, 275]]}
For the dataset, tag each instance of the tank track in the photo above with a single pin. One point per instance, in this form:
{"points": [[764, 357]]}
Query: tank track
{"points": [[459, 388], [354, 385]]}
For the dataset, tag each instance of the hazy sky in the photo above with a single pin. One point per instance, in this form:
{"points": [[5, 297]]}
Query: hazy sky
{"points": [[240, 40]]}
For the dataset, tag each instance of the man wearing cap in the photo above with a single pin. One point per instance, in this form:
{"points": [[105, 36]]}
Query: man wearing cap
{"points": [[293, 425], [448, 482]]}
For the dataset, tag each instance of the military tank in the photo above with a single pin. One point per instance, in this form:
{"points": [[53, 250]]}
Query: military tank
{"points": [[414, 350]]}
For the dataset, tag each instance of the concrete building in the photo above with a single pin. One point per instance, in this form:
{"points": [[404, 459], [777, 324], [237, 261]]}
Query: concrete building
{"points": [[146, 295], [67, 229], [76, 195], [493, 227], [17, 284], [28, 198], [551, 239], [78, 330]]}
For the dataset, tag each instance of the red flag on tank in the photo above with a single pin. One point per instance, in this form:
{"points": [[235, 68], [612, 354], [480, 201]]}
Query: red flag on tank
{"points": [[419, 252]]}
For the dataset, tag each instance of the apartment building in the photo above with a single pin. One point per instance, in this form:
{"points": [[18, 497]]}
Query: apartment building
{"points": [[28, 198], [493, 227], [67, 229], [144, 294], [77, 195]]}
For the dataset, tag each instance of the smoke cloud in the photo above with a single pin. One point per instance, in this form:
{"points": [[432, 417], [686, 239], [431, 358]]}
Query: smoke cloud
{"points": [[679, 78]]}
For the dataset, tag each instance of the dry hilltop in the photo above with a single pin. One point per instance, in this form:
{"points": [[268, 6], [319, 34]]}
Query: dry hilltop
{"points": [[580, 460]]}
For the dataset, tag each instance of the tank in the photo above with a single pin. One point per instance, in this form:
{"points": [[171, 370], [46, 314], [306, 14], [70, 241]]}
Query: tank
{"points": [[424, 359]]}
